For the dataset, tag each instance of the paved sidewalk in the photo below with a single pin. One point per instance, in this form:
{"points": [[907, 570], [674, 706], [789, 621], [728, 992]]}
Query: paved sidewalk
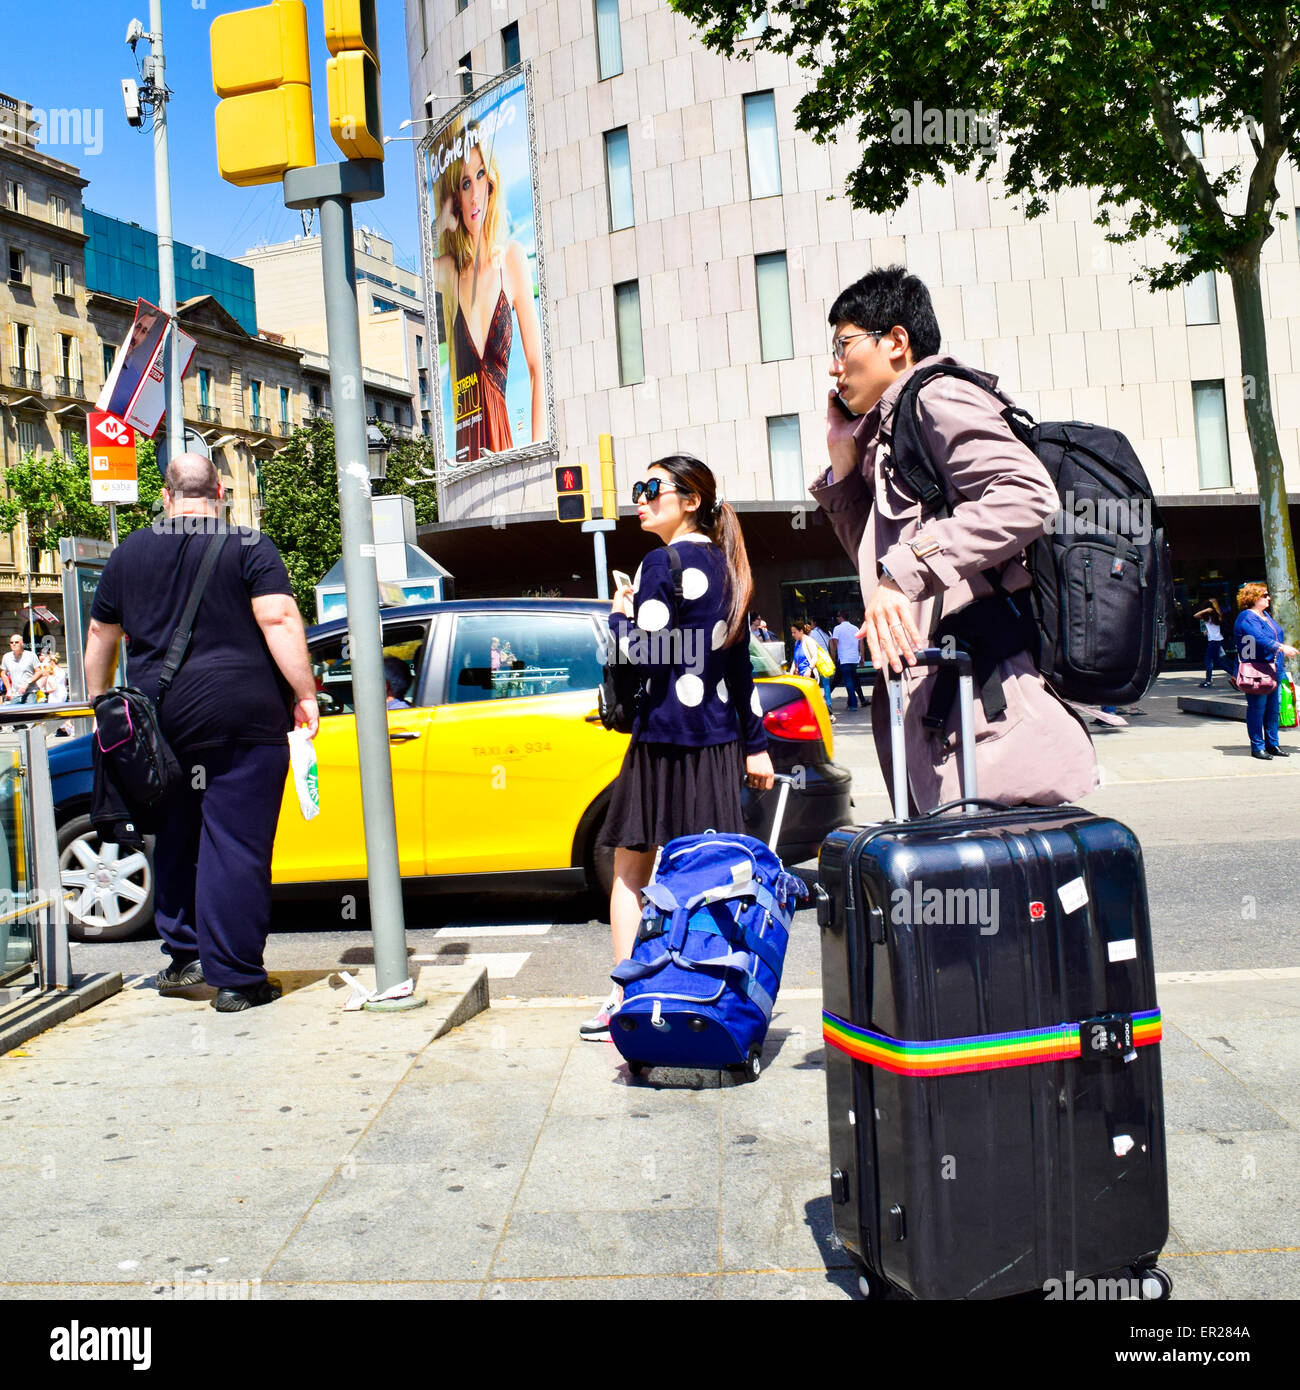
{"points": [[151, 1143]]}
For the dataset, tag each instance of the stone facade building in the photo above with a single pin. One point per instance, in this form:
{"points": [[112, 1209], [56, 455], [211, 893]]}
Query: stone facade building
{"points": [[694, 242]]}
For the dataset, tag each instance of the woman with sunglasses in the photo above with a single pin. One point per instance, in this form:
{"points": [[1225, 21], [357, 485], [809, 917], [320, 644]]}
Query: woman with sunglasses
{"points": [[698, 732], [1262, 641]]}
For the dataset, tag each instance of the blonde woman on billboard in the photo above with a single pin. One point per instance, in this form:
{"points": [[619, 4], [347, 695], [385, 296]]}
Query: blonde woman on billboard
{"points": [[484, 275]]}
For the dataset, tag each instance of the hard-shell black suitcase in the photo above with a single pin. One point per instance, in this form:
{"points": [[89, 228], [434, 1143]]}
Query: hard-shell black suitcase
{"points": [[992, 1048]]}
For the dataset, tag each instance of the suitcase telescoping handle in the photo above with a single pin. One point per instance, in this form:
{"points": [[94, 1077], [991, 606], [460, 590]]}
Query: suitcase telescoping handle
{"points": [[934, 656], [785, 782]]}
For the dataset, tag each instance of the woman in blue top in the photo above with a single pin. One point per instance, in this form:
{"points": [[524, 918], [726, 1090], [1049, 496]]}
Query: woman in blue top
{"points": [[698, 731], [1261, 640]]}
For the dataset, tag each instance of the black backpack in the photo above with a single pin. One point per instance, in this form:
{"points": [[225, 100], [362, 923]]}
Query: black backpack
{"points": [[621, 681], [1102, 595]]}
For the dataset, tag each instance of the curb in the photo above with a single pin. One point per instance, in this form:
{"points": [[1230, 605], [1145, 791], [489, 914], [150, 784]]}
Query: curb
{"points": [[25, 1019]]}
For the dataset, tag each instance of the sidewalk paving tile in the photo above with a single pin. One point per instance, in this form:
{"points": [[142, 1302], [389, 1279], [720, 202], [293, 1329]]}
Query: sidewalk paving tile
{"points": [[1272, 1275], [601, 1242], [605, 1288], [1202, 1096], [1235, 1192]]}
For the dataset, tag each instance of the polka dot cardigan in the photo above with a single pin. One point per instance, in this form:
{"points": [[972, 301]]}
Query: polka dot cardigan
{"points": [[698, 692]]}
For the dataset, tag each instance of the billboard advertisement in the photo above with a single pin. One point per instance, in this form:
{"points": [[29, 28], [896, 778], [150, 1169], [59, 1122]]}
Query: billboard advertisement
{"points": [[485, 284], [134, 389]]}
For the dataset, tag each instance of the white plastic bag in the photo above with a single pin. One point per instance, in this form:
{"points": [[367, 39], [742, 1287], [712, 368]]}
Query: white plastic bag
{"points": [[302, 762]]}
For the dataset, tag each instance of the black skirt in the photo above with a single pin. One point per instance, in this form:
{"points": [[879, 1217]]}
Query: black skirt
{"points": [[664, 791]]}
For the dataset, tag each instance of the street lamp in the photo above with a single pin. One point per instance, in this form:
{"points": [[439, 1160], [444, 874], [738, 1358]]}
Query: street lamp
{"points": [[377, 447]]}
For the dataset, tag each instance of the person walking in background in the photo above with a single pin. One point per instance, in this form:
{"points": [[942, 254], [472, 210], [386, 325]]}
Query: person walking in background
{"points": [[803, 658], [698, 732], [758, 628], [19, 669], [847, 654], [1213, 620], [1261, 645], [245, 680], [823, 672]]}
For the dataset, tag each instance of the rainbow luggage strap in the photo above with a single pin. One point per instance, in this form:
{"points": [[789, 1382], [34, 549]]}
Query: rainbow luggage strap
{"points": [[948, 1056]]}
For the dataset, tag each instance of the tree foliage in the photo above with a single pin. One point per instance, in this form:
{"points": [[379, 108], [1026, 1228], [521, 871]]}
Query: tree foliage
{"points": [[1102, 94], [300, 501], [53, 493]]}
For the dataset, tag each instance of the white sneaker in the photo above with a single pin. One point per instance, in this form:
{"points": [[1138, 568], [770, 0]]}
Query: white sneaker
{"points": [[596, 1028]]}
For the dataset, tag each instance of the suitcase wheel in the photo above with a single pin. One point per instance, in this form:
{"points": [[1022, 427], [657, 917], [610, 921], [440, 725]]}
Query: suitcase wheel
{"points": [[870, 1286], [636, 1068], [1156, 1285], [751, 1068]]}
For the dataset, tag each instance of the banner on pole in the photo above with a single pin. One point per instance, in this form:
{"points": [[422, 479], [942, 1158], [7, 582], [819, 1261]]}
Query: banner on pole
{"points": [[111, 445], [134, 389]]}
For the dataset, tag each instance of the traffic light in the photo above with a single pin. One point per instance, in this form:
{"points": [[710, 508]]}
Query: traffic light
{"points": [[572, 500], [262, 70], [352, 78]]}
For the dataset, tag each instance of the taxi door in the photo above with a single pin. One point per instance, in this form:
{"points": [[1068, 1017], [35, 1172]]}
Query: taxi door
{"points": [[332, 845], [514, 759]]}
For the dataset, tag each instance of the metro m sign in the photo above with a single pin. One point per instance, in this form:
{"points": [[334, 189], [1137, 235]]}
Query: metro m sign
{"points": [[111, 446]]}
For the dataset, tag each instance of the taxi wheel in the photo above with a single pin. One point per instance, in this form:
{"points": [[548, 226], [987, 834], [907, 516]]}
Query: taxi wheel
{"points": [[110, 888]]}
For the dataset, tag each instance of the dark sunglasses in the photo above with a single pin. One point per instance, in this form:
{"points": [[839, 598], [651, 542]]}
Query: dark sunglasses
{"points": [[651, 490]]}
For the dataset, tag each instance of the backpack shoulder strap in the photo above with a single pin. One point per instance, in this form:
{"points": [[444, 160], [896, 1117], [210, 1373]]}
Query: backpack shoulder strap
{"points": [[675, 568], [185, 628]]}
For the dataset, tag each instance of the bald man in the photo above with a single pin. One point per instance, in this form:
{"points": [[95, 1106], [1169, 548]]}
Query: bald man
{"points": [[244, 683]]}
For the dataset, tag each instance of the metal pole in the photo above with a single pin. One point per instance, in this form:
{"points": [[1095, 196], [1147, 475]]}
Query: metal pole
{"points": [[112, 522], [166, 248], [602, 576], [361, 582]]}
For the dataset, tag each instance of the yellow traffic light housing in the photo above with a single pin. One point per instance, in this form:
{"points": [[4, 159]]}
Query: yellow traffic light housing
{"points": [[608, 489], [261, 69], [352, 78], [572, 500]]}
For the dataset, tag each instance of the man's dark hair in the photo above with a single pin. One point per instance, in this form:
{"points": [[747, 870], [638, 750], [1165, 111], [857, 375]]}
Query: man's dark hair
{"points": [[889, 296]]}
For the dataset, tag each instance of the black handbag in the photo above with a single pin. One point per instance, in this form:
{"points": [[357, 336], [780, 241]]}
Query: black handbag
{"points": [[621, 681], [129, 743]]}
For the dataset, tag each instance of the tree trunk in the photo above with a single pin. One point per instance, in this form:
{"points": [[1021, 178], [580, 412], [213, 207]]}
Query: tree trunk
{"points": [[1274, 513]]}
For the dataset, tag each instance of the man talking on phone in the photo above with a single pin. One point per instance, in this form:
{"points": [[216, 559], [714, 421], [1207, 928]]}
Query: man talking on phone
{"points": [[918, 573]]}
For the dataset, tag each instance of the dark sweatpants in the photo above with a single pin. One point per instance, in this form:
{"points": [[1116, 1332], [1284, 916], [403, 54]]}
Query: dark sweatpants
{"points": [[212, 861]]}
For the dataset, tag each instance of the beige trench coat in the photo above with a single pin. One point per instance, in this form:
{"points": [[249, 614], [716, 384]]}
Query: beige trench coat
{"points": [[1037, 751]]}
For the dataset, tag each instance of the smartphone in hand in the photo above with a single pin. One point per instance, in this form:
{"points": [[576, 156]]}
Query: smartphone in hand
{"points": [[842, 408], [621, 581]]}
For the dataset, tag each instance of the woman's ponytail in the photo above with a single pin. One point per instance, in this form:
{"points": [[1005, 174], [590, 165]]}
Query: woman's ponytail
{"points": [[726, 534]]}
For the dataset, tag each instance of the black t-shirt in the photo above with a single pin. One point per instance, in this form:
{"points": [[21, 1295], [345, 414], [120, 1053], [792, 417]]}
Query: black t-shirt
{"points": [[228, 689]]}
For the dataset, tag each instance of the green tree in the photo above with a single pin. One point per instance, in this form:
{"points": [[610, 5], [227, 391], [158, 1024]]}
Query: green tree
{"points": [[1092, 94], [53, 494], [300, 501]]}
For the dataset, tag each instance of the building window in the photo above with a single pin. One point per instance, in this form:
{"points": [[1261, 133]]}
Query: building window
{"points": [[15, 196], [255, 392], [108, 351], [466, 77], [609, 39], [1209, 410], [786, 457], [618, 178], [205, 387], [460, 5], [760, 143], [22, 346], [65, 443], [774, 332], [1201, 299], [67, 355], [756, 26], [631, 359], [424, 26], [1190, 110], [59, 211], [428, 111], [17, 266], [510, 45], [284, 404], [419, 351], [28, 443], [63, 279]]}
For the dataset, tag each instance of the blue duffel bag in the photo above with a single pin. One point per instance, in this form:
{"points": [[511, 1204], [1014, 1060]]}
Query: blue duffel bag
{"points": [[702, 979]]}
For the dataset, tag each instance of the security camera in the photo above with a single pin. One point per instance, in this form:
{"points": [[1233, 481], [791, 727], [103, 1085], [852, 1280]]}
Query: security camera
{"points": [[131, 100], [134, 33]]}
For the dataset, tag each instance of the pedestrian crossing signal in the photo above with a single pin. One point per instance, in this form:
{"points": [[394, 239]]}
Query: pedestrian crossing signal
{"points": [[572, 500]]}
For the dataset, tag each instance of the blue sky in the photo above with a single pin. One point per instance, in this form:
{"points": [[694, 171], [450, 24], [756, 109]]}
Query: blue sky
{"points": [[65, 54]]}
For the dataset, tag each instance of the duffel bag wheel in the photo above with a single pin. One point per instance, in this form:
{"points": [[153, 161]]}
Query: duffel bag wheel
{"points": [[1156, 1284], [754, 1064]]}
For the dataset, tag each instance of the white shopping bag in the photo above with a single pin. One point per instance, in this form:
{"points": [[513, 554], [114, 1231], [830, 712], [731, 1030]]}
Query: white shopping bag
{"points": [[302, 761]]}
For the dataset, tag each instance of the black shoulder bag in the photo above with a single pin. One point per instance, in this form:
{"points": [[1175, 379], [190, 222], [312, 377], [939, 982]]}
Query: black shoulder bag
{"points": [[129, 746]]}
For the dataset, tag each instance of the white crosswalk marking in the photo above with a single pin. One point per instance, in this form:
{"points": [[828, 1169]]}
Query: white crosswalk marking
{"points": [[501, 965], [507, 929]]}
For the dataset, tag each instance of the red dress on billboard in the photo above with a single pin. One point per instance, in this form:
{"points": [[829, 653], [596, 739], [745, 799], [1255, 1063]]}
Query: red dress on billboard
{"points": [[480, 389]]}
